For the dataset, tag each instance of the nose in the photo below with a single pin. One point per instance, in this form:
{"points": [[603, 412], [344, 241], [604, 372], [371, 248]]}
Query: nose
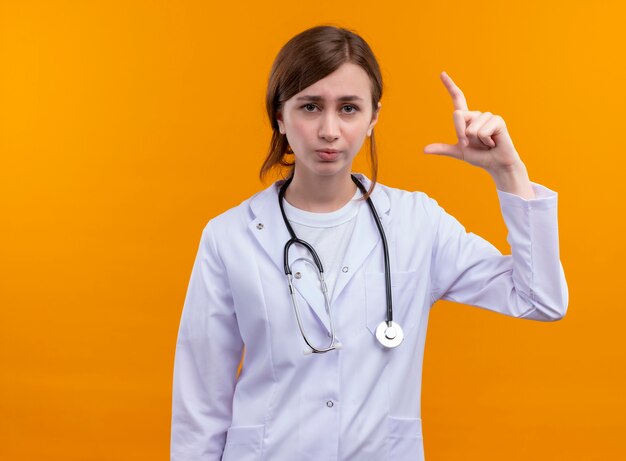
{"points": [[329, 126]]}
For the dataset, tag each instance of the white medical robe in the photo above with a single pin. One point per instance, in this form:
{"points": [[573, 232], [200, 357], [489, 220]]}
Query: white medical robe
{"points": [[361, 402]]}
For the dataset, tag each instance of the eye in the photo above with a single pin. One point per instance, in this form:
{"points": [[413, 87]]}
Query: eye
{"points": [[352, 108], [308, 106]]}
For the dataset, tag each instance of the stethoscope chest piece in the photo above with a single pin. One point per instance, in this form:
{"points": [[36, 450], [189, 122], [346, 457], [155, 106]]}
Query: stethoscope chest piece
{"points": [[389, 336]]}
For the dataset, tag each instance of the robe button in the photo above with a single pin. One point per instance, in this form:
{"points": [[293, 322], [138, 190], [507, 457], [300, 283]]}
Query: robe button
{"points": [[259, 226], [330, 403], [344, 269]]}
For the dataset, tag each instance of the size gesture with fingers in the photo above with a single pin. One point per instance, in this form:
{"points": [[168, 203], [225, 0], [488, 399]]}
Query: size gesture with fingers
{"points": [[483, 139]]}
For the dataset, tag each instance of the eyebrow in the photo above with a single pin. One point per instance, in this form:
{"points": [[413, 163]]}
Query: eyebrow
{"points": [[319, 98]]}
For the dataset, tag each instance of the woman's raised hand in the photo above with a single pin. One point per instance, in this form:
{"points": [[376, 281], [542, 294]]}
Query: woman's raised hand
{"points": [[483, 139]]}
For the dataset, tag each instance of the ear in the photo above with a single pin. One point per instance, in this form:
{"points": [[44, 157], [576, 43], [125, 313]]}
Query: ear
{"points": [[281, 123], [374, 119]]}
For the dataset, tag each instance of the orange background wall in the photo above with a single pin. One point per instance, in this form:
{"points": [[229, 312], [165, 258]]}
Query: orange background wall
{"points": [[125, 126]]}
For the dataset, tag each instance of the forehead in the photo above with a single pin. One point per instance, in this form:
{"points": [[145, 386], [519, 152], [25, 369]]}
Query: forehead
{"points": [[348, 82]]}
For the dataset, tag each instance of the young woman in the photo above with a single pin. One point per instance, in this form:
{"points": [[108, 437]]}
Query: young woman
{"points": [[327, 278]]}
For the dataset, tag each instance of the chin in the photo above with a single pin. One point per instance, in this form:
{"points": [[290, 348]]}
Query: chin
{"points": [[331, 169], [324, 169]]}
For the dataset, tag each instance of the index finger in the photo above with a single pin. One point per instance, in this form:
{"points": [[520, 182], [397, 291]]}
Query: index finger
{"points": [[458, 98]]}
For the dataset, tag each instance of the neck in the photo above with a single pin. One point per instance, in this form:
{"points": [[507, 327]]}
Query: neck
{"points": [[320, 194]]}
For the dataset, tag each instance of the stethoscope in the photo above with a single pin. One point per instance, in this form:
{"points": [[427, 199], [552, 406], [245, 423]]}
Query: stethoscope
{"points": [[388, 332]]}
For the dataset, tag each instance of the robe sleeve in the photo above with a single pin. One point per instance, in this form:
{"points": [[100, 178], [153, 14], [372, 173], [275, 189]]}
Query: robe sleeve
{"points": [[529, 283], [208, 353]]}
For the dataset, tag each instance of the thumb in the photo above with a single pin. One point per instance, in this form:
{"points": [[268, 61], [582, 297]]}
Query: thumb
{"points": [[442, 149]]}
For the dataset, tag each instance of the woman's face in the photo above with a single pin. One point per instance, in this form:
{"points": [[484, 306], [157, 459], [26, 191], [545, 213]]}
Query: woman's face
{"points": [[326, 123]]}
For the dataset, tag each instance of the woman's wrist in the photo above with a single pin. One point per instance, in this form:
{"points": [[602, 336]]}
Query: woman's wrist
{"points": [[514, 180]]}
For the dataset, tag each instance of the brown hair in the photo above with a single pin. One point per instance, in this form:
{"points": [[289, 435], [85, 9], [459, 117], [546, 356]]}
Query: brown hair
{"points": [[303, 60]]}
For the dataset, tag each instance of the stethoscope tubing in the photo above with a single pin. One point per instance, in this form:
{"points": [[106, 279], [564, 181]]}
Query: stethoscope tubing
{"points": [[385, 251], [390, 325]]}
